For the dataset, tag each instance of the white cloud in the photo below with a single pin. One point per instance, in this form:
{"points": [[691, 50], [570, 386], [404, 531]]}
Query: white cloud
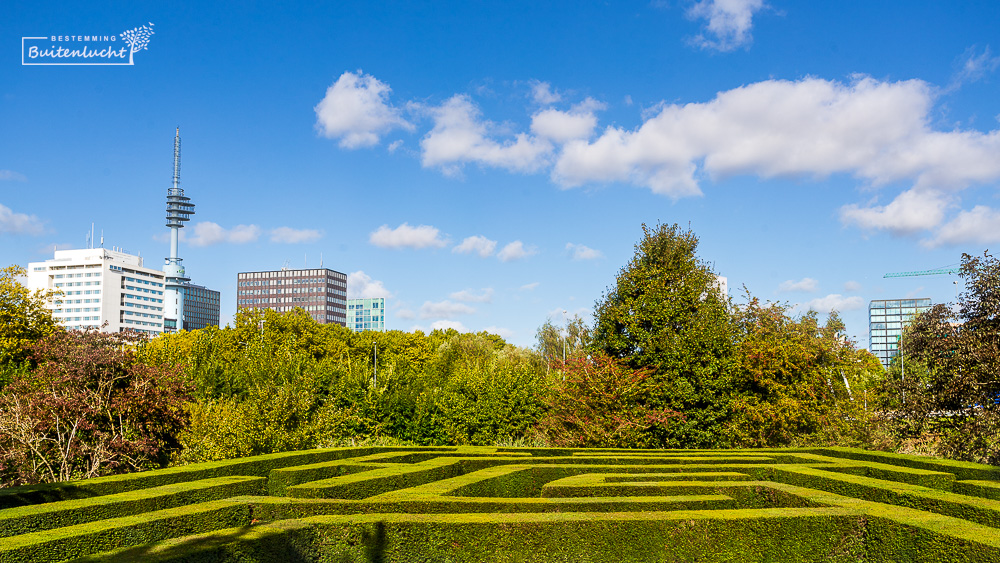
{"points": [[459, 137], [981, 225], [515, 251], [879, 132], [504, 333], [529, 286], [913, 210], [563, 126], [852, 286], [543, 94], [361, 286], [445, 325], [805, 285], [19, 223], [973, 66], [478, 244], [581, 252], [832, 302], [876, 131], [405, 236], [444, 309], [289, 235], [728, 22], [469, 296], [394, 145], [405, 314], [208, 233], [11, 176], [356, 111]]}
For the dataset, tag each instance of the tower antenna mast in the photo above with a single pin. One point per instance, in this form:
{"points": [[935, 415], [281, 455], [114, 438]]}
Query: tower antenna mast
{"points": [[179, 211]]}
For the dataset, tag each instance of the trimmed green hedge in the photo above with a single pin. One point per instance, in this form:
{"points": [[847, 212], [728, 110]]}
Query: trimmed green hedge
{"points": [[518, 504]]}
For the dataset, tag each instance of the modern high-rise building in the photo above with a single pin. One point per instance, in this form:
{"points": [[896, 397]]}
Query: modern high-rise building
{"points": [[201, 307], [322, 292], [886, 320], [96, 286], [366, 314]]}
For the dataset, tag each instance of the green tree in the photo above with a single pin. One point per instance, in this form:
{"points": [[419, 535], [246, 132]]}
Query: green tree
{"points": [[666, 313], [24, 320], [795, 381], [959, 397]]}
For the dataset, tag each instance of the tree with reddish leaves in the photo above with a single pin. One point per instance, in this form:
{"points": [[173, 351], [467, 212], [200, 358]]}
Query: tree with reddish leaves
{"points": [[88, 409], [598, 403]]}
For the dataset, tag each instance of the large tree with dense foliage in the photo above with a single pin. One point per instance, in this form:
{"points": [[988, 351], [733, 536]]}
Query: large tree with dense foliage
{"points": [[666, 313], [949, 380]]}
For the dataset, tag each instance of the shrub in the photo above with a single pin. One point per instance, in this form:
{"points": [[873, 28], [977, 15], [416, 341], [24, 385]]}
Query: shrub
{"points": [[89, 409]]}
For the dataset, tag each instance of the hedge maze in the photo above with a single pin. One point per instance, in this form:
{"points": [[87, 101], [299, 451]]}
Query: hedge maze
{"points": [[518, 504]]}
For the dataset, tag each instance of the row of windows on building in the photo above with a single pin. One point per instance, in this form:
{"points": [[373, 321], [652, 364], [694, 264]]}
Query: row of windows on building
{"points": [[295, 281], [288, 291]]}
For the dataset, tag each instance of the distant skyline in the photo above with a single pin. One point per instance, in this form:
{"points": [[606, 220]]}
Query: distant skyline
{"points": [[485, 167]]}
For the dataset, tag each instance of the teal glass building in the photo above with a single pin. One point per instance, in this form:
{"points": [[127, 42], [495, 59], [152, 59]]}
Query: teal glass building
{"points": [[366, 314], [886, 320]]}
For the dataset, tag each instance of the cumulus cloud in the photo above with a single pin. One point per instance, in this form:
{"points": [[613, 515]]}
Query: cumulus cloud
{"points": [[11, 176], [470, 296], [832, 302], [852, 286], [405, 314], [981, 225], [405, 236], [563, 126], [911, 211], [207, 233], [877, 131], [361, 286], [289, 235], [581, 252], [805, 285], [477, 244], [459, 136], [728, 22], [542, 93], [356, 110], [444, 309], [529, 286], [19, 223], [515, 251]]}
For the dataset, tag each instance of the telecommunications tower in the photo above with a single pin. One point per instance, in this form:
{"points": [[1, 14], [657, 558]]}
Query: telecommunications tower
{"points": [[179, 210]]}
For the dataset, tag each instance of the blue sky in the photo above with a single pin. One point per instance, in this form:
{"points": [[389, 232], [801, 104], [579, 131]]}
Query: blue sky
{"points": [[486, 166]]}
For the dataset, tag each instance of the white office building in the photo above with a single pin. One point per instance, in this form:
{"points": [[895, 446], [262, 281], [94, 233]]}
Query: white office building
{"points": [[95, 286]]}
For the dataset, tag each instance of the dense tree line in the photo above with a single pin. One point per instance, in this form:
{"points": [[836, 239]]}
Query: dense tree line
{"points": [[669, 361]]}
